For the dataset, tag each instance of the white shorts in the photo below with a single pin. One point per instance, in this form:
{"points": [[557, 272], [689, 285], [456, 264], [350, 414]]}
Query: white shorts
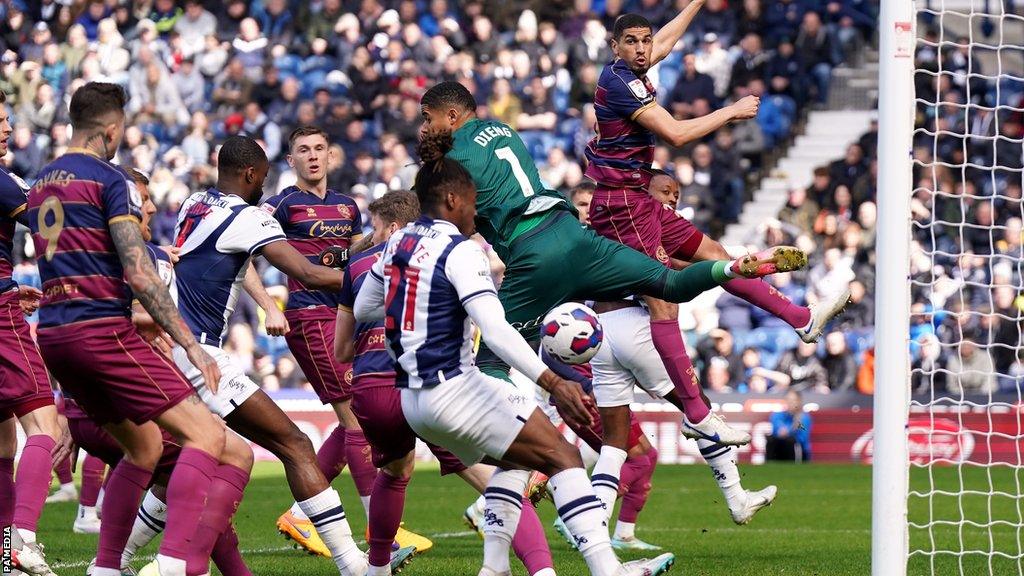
{"points": [[234, 386], [472, 415], [627, 358]]}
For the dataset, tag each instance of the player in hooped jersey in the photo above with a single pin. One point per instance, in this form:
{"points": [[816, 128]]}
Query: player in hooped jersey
{"points": [[84, 215], [26, 393], [315, 218], [620, 161], [377, 404], [218, 232], [431, 285], [536, 235]]}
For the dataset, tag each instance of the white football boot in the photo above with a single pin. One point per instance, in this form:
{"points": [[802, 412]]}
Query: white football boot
{"points": [[646, 567], [714, 428], [754, 502], [822, 313]]}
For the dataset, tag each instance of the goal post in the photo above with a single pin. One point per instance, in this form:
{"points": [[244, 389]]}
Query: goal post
{"points": [[889, 540], [948, 431]]}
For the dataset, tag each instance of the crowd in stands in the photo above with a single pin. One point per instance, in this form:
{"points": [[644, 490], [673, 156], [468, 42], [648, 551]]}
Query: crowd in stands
{"points": [[198, 71]]}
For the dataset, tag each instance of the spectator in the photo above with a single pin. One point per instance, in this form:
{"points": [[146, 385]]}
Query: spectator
{"points": [[839, 363], [250, 45], [791, 432], [716, 18], [719, 347], [818, 53], [275, 20], [195, 25], [95, 11], [971, 370], [694, 93], [803, 370], [28, 157], [231, 88], [800, 211], [503, 105], [262, 128], [752, 62], [714, 61], [782, 20]]}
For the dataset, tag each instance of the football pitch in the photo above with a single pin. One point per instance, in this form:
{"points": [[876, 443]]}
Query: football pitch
{"points": [[820, 524]]}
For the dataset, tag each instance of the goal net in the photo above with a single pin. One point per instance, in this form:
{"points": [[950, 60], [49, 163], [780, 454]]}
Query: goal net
{"points": [[964, 430]]}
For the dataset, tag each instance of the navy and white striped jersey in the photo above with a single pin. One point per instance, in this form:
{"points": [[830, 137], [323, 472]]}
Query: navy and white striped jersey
{"points": [[429, 272], [217, 233]]}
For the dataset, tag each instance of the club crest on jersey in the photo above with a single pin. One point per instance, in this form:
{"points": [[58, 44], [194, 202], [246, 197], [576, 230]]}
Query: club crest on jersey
{"points": [[268, 208], [638, 88], [345, 211]]}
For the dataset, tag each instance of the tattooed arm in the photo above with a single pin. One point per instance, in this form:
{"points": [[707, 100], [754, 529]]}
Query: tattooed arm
{"points": [[151, 292]]}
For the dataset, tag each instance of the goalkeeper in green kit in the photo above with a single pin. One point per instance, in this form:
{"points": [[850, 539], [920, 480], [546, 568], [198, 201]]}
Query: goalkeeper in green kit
{"points": [[549, 257]]}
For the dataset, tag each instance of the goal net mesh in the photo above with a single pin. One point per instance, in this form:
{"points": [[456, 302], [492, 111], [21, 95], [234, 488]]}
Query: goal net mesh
{"points": [[965, 509]]}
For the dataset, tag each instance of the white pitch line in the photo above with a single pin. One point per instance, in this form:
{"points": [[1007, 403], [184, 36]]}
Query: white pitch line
{"points": [[149, 558]]}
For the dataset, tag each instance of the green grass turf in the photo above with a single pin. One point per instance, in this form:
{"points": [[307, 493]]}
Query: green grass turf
{"points": [[820, 524]]}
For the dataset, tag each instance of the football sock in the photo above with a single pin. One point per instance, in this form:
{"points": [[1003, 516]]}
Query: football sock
{"points": [[32, 483], [605, 477], [226, 555], [150, 520], [332, 455], [328, 517], [128, 481], [686, 284], [92, 480], [6, 492], [668, 340], [186, 497], [625, 530], [529, 543], [722, 460], [360, 464], [504, 495], [766, 297], [386, 508], [63, 470], [583, 515], [226, 488], [636, 485]]}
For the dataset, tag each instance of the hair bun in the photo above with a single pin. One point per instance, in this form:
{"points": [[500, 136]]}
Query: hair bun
{"points": [[434, 145]]}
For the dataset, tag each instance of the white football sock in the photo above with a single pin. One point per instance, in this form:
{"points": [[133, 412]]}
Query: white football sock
{"points": [[99, 500], [328, 516], [366, 506], [296, 511], [625, 530], [480, 504], [545, 572], [87, 513], [605, 477], [149, 521], [722, 460], [379, 570], [583, 515], [169, 566], [97, 571], [504, 496]]}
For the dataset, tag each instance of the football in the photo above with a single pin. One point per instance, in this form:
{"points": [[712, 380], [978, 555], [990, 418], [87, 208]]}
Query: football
{"points": [[571, 333]]}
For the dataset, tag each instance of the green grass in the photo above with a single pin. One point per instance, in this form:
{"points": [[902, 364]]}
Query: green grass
{"points": [[819, 525]]}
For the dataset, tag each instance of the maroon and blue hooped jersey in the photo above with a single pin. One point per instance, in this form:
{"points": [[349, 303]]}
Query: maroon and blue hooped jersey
{"points": [[620, 155], [13, 199], [70, 208], [371, 357], [312, 224]]}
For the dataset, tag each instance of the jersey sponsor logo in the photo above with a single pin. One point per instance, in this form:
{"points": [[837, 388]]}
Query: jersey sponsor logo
{"points": [[638, 89], [321, 230], [310, 212]]}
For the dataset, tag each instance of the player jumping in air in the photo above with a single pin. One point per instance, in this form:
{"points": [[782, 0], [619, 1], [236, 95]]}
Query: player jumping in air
{"points": [[377, 404], [314, 218], [218, 232], [84, 215], [430, 286], [619, 161], [549, 257], [26, 393]]}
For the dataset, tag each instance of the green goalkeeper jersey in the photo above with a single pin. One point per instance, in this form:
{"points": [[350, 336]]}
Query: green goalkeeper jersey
{"points": [[507, 183]]}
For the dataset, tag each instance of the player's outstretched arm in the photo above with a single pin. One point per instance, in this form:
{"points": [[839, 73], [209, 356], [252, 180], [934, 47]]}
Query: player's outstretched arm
{"points": [[142, 277], [276, 324], [288, 260], [670, 33], [681, 132]]}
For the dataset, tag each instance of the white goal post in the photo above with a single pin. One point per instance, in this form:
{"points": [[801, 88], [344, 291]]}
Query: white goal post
{"points": [[948, 434]]}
